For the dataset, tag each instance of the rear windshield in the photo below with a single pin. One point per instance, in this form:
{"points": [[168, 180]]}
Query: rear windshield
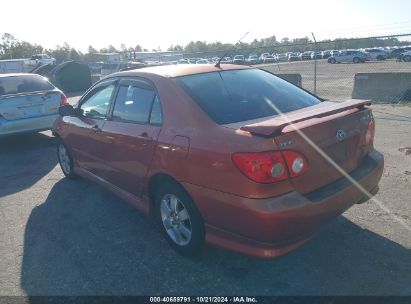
{"points": [[24, 84], [240, 95]]}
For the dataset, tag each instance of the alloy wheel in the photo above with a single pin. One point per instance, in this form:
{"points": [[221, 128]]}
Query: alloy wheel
{"points": [[176, 219], [64, 159]]}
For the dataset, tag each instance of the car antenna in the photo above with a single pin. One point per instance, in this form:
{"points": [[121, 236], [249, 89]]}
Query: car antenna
{"points": [[217, 65]]}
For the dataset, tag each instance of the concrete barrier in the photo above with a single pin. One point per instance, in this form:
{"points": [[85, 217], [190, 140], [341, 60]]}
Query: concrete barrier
{"points": [[293, 78], [389, 87]]}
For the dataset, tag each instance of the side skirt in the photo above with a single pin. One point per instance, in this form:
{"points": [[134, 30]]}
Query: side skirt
{"points": [[141, 204]]}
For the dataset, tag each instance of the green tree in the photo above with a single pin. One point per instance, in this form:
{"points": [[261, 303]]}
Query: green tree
{"points": [[7, 42]]}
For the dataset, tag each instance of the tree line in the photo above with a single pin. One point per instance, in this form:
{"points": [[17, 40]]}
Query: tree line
{"points": [[12, 48]]}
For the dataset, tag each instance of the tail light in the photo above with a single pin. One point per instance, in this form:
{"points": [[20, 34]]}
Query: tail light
{"points": [[296, 163], [63, 100], [271, 166], [369, 135]]}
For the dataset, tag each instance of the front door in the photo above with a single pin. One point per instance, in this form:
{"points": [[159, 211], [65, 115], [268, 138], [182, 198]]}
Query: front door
{"points": [[85, 137]]}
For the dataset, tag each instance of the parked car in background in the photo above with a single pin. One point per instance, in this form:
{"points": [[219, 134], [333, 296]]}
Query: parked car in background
{"points": [[406, 56], [306, 55], [41, 59], [269, 59], [239, 59], [317, 55], [253, 59], [227, 60], [334, 53], [376, 54], [28, 103], [349, 56], [396, 53], [262, 56], [326, 54], [232, 172], [282, 57], [183, 61], [294, 57], [202, 61]]}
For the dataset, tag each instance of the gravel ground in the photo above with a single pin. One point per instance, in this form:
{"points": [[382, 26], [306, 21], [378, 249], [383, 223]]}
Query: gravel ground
{"points": [[64, 237]]}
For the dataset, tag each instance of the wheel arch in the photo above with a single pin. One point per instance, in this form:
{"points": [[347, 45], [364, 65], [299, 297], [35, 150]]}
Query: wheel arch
{"points": [[155, 181]]}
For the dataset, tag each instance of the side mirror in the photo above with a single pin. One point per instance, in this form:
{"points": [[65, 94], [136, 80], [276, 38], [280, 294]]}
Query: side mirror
{"points": [[66, 110]]}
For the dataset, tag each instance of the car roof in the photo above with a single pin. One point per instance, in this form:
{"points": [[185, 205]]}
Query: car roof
{"points": [[181, 70]]}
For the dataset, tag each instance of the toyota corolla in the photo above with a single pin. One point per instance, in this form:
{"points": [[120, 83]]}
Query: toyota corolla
{"points": [[228, 155]]}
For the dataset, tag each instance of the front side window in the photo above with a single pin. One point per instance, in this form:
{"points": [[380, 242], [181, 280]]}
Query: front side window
{"points": [[97, 104], [133, 104], [241, 95]]}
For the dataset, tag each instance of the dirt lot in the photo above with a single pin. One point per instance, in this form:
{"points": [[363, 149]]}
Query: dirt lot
{"points": [[335, 81], [64, 237]]}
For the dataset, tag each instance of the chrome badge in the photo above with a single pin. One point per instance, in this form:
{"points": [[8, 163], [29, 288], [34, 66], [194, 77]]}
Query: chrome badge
{"points": [[340, 135]]}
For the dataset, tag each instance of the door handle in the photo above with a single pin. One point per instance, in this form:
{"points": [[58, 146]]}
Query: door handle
{"points": [[95, 128], [145, 139]]}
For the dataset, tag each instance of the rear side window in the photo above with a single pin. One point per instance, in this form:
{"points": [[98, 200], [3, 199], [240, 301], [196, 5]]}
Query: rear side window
{"points": [[240, 95], [133, 104], [24, 84]]}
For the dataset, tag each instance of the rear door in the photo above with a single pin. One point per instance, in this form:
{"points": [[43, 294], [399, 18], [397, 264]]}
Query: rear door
{"points": [[27, 96], [84, 132], [132, 130]]}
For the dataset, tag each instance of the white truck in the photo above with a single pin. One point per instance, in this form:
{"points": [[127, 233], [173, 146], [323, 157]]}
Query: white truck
{"points": [[41, 59]]}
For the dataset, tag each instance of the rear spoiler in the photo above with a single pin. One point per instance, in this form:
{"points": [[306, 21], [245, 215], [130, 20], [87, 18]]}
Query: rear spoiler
{"points": [[274, 126]]}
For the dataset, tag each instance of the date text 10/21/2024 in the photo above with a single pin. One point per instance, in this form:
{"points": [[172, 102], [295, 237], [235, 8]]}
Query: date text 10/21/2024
{"points": [[239, 299]]}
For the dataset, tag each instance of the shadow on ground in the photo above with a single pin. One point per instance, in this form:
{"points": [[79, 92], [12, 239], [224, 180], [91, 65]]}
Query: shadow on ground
{"points": [[84, 241], [25, 159]]}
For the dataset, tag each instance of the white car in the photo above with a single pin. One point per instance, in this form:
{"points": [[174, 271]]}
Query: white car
{"points": [[349, 56], [282, 57], [28, 103], [42, 59], [202, 61], [376, 54]]}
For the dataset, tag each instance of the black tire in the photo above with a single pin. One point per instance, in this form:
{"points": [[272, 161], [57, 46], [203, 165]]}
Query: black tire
{"points": [[67, 168], [332, 60], [195, 221], [407, 58], [356, 60]]}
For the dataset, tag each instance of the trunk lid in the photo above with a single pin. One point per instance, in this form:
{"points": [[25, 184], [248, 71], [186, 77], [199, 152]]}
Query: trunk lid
{"points": [[28, 105], [337, 130]]}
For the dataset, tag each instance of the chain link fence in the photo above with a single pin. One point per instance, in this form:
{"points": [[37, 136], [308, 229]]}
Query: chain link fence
{"points": [[331, 73], [330, 69]]}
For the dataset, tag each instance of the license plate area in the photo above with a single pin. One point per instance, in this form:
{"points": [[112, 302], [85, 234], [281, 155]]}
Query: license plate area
{"points": [[338, 152]]}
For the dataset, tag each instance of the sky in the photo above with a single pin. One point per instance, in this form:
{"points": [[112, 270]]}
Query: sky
{"points": [[161, 23]]}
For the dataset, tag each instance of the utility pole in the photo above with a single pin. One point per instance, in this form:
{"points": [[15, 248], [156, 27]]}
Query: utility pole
{"points": [[315, 65]]}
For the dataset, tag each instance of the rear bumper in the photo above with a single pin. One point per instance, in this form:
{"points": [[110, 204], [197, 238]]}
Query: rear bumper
{"points": [[274, 226], [8, 127]]}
